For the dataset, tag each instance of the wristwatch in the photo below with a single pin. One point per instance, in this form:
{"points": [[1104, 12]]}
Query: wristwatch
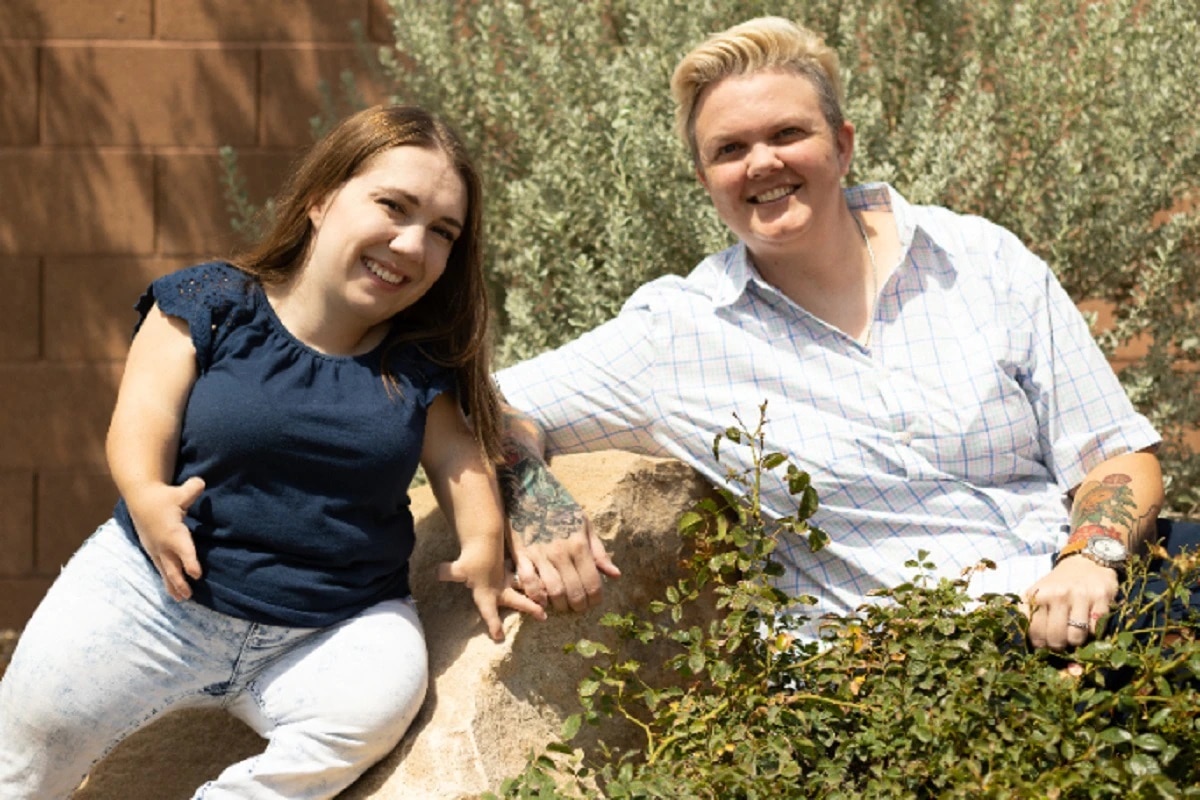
{"points": [[1103, 550]]}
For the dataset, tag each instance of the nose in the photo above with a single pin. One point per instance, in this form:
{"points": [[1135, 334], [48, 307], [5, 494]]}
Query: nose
{"points": [[409, 240], [761, 160]]}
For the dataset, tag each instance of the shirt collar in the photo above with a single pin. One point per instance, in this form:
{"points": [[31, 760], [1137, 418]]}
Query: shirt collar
{"points": [[873, 196], [732, 273], [913, 223]]}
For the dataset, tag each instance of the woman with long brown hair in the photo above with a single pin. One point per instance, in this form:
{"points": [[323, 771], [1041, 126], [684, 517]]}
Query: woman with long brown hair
{"points": [[272, 414]]}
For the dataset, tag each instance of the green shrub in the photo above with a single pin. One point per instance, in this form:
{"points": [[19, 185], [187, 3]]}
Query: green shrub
{"points": [[924, 695], [1070, 123]]}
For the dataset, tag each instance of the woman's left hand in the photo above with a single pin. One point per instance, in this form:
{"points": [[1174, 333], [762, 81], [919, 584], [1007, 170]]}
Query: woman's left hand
{"points": [[1064, 607], [491, 588]]}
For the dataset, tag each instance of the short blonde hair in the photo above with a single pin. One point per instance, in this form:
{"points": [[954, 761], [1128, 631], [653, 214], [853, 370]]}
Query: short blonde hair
{"points": [[758, 44]]}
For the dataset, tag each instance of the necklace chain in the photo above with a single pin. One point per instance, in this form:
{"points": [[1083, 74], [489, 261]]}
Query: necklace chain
{"points": [[874, 279]]}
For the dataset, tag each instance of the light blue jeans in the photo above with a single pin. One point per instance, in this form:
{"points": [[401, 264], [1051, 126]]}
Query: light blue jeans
{"points": [[108, 651]]}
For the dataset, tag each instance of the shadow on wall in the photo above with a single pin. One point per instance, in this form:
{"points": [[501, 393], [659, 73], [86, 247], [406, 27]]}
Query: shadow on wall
{"points": [[111, 174], [58, 204], [114, 179]]}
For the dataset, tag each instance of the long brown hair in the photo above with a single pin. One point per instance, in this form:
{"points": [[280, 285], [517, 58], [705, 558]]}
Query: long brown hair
{"points": [[450, 323]]}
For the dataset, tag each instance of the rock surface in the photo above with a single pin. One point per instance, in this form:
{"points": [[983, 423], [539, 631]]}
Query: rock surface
{"points": [[489, 705]]}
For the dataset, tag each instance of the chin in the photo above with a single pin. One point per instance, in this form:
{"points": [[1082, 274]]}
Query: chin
{"points": [[774, 238]]}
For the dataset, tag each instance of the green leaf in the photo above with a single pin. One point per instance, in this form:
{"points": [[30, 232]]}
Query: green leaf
{"points": [[571, 727], [1140, 764], [589, 649], [1115, 736], [798, 480], [807, 505], [773, 460], [817, 539], [690, 523], [1150, 742]]}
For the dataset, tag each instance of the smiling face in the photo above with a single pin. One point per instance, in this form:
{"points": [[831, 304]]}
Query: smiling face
{"points": [[382, 239], [771, 162]]}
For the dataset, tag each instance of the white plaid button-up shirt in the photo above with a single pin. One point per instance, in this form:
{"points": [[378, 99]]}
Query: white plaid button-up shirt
{"points": [[981, 400]]}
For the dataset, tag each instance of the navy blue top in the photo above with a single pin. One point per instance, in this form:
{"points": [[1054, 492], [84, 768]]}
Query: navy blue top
{"points": [[306, 458]]}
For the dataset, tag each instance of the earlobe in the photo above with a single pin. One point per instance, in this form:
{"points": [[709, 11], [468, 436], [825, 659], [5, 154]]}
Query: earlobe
{"points": [[845, 140], [316, 212]]}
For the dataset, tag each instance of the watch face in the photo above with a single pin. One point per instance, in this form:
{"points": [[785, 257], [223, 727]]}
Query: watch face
{"points": [[1106, 547]]}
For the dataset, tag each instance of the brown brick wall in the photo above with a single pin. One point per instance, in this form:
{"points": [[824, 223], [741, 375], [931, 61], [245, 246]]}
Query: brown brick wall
{"points": [[111, 118]]}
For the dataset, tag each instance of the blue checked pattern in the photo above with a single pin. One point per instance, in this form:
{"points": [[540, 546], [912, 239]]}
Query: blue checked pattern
{"points": [[982, 399]]}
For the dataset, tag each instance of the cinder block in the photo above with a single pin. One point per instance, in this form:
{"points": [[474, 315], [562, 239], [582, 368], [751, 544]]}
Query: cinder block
{"points": [[61, 202], [71, 19], [291, 90], [261, 20], [19, 88], [1133, 350], [149, 95], [96, 324], [192, 211], [70, 506], [18, 598], [1119, 365], [19, 309], [379, 28], [55, 416], [16, 523]]}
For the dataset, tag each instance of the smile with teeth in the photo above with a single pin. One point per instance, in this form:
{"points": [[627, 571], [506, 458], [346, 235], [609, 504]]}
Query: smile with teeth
{"points": [[383, 273], [772, 195]]}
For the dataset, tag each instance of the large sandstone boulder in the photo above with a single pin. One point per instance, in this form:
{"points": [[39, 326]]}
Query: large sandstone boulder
{"points": [[490, 705]]}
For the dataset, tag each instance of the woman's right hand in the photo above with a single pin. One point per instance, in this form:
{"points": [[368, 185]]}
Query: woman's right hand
{"points": [[164, 536]]}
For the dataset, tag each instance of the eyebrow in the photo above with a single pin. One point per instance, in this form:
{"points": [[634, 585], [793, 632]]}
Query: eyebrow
{"points": [[794, 119], [413, 200]]}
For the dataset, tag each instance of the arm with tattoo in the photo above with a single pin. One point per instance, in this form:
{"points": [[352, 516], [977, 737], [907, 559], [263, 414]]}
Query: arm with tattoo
{"points": [[1109, 506], [539, 508], [1119, 498], [557, 558]]}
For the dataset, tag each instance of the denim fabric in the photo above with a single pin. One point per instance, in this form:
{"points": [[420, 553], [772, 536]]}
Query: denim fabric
{"points": [[108, 651]]}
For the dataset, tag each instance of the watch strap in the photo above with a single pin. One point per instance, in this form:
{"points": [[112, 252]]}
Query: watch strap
{"points": [[1079, 539]]}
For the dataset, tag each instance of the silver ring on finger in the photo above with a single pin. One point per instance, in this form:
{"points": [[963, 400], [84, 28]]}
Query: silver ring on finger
{"points": [[1074, 623]]}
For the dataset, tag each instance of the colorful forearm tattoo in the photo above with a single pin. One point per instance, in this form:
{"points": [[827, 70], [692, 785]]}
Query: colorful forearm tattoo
{"points": [[1105, 507], [539, 508]]}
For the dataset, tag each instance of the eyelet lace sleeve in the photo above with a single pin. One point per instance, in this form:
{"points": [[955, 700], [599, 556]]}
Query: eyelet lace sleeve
{"points": [[205, 296]]}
